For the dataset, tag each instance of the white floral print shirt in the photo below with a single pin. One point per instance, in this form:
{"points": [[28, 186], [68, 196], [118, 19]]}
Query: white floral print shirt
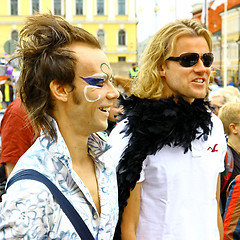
{"points": [[29, 211]]}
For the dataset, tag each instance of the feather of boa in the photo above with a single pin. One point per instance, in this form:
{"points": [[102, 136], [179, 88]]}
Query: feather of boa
{"points": [[151, 125]]}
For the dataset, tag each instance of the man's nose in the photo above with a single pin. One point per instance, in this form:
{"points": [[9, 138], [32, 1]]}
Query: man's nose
{"points": [[113, 92]]}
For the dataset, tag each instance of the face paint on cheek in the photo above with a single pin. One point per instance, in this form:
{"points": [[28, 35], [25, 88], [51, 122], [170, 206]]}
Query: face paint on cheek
{"points": [[85, 93], [96, 79]]}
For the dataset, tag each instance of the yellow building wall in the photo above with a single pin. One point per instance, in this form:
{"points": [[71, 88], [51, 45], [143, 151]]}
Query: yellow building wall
{"points": [[24, 8], [113, 51], [232, 36], [111, 40], [4, 37], [46, 6], [4, 8]]}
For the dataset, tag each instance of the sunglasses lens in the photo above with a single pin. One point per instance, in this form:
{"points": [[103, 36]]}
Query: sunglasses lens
{"points": [[207, 59], [189, 59]]}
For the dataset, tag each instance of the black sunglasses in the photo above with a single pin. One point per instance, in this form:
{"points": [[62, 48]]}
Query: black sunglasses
{"points": [[190, 59]]}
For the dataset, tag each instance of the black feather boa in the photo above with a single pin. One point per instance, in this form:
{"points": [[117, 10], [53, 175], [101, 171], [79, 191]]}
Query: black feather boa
{"points": [[151, 125]]}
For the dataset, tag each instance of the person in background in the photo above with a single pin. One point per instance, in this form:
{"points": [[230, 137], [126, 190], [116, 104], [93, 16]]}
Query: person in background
{"points": [[115, 114], [213, 86], [17, 135], [233, 93], [230, 93], [170, 147], [1, 99], [67, 92], [231, 218], [230, 117], [133, 71], [230, 81], [7, 92], [223, 95], [217, 100]]}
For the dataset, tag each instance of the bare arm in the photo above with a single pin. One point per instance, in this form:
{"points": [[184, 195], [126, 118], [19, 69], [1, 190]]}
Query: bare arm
{"points": [[131, 214], [220, 222], [9, 168]]}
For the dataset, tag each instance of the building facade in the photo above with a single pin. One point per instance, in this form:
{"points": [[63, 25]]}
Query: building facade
{"points": [[113, 22], [231, 21], [224, 25]]}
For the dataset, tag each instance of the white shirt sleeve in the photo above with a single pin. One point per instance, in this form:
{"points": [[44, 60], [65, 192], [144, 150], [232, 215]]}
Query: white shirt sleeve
{"points": [[142, 174]]}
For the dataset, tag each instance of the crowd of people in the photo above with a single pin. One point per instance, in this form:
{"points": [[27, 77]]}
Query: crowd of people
{"points": [[226, 105], [82, 160], [8, 81]]}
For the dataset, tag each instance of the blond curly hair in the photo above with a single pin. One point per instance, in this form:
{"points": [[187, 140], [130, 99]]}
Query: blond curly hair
{"points": [[148, 83]]}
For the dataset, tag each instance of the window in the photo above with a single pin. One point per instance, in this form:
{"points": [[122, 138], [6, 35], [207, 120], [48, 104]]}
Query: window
{"points": [[14, 7], [121, 38], [35, 6], [57, 7], [101, 37], [100, 7], [121, 7], [79, 7], [122, 59]]}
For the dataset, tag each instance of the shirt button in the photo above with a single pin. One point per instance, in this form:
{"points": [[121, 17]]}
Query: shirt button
{"points": [[95, 216]]}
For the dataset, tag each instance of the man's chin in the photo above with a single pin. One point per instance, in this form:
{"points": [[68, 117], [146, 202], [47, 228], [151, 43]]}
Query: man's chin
{"points": [[102, 128], [200, 95]]}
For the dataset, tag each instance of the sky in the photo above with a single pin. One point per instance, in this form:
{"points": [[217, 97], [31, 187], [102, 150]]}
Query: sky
{"points": [[149, 22]]}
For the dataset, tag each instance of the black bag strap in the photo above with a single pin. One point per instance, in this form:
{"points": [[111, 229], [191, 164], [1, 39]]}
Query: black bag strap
{"points": [[66, 206]]}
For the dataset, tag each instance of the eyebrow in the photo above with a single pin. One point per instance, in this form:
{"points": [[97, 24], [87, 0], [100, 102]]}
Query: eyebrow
{"points": [[95, 79]]}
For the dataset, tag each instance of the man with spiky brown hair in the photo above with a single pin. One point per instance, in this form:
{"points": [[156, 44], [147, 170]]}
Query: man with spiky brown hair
{"points": [[67, 92]]}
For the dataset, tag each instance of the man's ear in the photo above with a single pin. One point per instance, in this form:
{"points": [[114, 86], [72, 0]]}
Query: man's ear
{"points": [[59, 91], [233, 128], [162, 70]]}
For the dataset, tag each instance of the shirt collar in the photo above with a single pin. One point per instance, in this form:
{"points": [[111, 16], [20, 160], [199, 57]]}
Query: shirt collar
{"points": [[58, 148], [97, 145]]}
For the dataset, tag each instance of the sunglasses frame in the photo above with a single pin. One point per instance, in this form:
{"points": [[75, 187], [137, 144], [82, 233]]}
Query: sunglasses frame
{"points": [[201, 56]]}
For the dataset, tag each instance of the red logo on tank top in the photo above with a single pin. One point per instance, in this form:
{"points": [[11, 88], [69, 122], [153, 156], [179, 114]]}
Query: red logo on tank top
{"points": [[214, 149]]}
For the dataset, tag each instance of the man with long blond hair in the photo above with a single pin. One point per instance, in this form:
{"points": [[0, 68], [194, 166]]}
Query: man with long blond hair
{"points": [[170, 147]]}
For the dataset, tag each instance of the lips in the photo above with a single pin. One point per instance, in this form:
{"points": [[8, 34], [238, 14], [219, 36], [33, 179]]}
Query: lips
{"points": [[105, 109]]}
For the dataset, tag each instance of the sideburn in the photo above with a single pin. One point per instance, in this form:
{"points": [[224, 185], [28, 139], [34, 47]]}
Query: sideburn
{"points": [[76, 98]]}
